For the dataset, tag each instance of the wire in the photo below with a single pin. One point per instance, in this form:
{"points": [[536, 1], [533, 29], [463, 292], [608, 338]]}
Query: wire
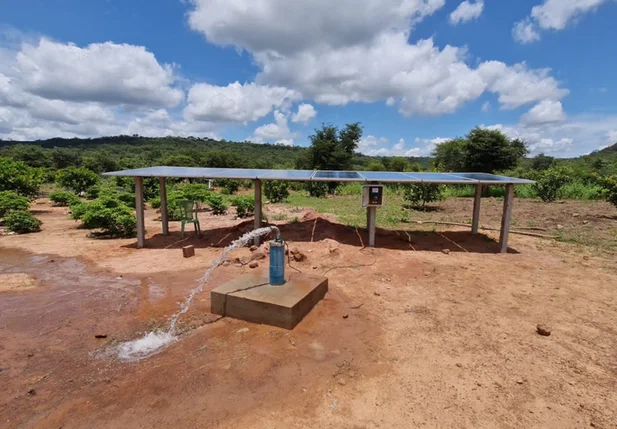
{"points": [[355, 265], [289, 258]]}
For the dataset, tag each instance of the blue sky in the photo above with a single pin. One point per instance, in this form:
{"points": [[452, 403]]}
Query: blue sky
{"points": [[413, 72]]}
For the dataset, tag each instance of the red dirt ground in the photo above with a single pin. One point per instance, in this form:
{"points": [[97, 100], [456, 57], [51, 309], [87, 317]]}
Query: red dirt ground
{"points": [[430, 339]]}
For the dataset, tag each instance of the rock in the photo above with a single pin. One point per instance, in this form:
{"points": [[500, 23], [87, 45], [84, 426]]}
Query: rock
{"points": [[258, 255], [459, 365], [345, 316], [253, 248], [226, 263], [298, 255], [377, 293], [520, 381], [543, 330], [446, 251], [253, 264], [586, 258], [100, 336], [341, 381], [559, 227], [314, 267], [241, 331], [585, 222], [31, 392], [575, 214]]}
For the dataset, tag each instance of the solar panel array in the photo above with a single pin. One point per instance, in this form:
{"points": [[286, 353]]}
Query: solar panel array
{"points": [[320, 176]]}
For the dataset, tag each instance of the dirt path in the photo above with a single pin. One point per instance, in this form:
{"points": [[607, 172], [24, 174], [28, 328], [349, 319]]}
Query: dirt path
{"points": [[430, 339]]}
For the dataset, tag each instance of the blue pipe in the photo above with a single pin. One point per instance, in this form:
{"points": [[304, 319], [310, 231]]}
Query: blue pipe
{"points": [[277, 259]]}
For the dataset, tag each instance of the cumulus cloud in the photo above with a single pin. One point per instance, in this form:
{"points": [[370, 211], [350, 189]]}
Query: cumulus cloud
{"points": [[466, 11], [374, 146], [305, 113], [236, 103], [101, 72], [545, 112], [277, 132], [333, 57], [553, 15]]}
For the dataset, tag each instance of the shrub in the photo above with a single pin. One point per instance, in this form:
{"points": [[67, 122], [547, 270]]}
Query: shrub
{"points": [[17, 176], [11, 201], [609, 184], [63, 198], [77, 179], [217, 204], [245, 206], [78, 209], [276, 191], [194, 192], [550, 181], [352, 188], [93, 192], [581, 191], [417, 195], [110, 215], [229, 186], [22, 222], [317, 189], [155, 202]]}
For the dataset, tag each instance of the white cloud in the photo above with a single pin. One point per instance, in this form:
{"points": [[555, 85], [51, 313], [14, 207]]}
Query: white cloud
{"points": [[611, 137], [525, 32], [235, 102], [277, 132], [551, 146], [466, 11], [336, 57], [374, 146], [305, 113], [366, 143], [101, 72], [545, 112], [553, 15], [486, 107]]}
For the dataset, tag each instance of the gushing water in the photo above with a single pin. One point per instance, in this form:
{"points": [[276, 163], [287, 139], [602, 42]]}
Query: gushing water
{"points": [[154, 342]]}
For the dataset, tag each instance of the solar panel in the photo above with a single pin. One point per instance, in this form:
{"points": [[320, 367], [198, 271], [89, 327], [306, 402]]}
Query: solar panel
{"points": [[338, 175], [387, 176], [440, 178], [288, 175], [237, 173], [491, 178]]}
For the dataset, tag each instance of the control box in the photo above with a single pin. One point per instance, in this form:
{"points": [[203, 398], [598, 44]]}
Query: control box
{"points": [[372, 196]]}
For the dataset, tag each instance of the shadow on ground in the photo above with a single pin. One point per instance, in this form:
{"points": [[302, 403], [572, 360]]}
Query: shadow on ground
{"points": [[318, 228]]}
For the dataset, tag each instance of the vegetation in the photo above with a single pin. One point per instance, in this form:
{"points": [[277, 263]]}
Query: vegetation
{"points": [[113, 217], [609, 185], [77, 179], [21, 222], [217, 204], [276, 191], [12, 201], [418, 195], [17, 176], [549, 182], [63, 198], [245, 206]]}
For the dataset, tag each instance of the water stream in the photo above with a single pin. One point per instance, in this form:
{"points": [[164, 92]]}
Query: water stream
{"points": [[154, 342]]}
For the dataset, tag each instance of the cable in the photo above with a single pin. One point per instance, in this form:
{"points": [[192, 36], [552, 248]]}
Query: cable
{"points": [[289, 258], [355, 265]]}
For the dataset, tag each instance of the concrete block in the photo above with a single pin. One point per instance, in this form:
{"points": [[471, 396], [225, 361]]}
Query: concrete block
{"points": [[252, 298], [188, 251]]}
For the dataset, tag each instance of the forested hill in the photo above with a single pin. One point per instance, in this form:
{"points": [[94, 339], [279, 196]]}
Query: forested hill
{"points": [[107, 153]]}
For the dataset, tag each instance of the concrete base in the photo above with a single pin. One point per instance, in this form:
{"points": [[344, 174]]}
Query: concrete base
{"points": [[252, 298]]}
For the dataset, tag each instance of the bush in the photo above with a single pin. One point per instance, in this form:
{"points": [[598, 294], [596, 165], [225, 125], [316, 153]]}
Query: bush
{"points": [[276, 191], [317, 189], [550, 181], [63, 198], [229, 186], [194, 191], [77, 179], [351, 188], [22, 222], [93, 192], [155, 202], [78, 209], [581, 191], [609, 184], [110, 215], [216, 203], [417, 195], [245, 206], [17, 176], [12, 201]]}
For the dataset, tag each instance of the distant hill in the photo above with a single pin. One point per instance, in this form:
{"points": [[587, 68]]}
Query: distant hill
{"points": [[610, 149]]}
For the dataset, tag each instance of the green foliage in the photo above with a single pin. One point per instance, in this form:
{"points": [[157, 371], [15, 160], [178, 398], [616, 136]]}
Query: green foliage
{"points": [[578, 190], [77, 179], [63, 198], [21, 222], [194, 191], [175, 201], [155, 202], [482, 150], [245, 206], [398, 163], [17, 176], [331, 148], [418, 195], [12, 201], [549, 182], [217, 204], [609, 184], [93, 192], [107, 213], [542, 162], [350, 188], [31, 155], [78, 208], [376, 166], [276, 191], [316, 189], [65, 158], [229, 186]]}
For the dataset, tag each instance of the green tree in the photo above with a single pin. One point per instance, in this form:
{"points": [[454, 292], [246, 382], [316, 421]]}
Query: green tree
{"points": [[542, 162], [376, 166], [419, 194], [276, 191], [451, 155], [30, 154], [12, 201], [398, 163], [17, 176], [64, 158], [77, 179], [549, 183]]}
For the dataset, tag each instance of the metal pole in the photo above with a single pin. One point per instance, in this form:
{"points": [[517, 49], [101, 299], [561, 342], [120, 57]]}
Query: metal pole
{"points": [[475, 223], [164, 216], [506, 220], [257, 186], [372, 221], [139, 212]]}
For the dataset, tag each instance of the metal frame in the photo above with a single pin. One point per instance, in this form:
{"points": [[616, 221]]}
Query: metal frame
{"points": [[257, 175]]}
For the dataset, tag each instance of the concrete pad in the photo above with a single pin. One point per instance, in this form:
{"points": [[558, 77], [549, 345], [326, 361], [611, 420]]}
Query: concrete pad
{"points": [[252, 298]]}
